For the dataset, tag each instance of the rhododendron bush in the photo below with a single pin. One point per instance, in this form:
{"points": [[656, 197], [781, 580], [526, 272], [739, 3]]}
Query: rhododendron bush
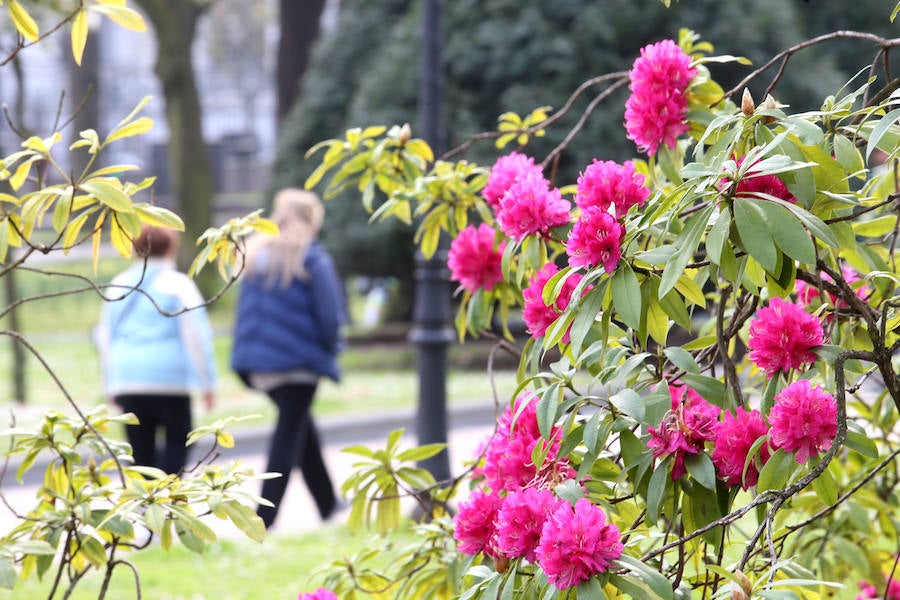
{"points": [[708, 396]]}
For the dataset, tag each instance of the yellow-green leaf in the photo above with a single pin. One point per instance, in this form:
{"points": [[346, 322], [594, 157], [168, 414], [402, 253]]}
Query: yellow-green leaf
{"points": [[245, 519], [21, 174], [136, 127], [24, 23], [122, 15], [265, 226], [109, 194], [120, 240], [158, 216], [79, 35]]}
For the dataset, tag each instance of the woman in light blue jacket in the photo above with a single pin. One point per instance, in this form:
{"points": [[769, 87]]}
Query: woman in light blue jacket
{"points": [[152, 358]]}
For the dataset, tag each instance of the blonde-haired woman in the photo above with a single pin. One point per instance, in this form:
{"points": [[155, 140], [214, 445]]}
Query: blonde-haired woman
{"points": [[287, 336]]}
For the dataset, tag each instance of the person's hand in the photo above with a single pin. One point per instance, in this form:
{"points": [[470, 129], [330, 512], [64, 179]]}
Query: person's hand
{"points": [[209, 399]]}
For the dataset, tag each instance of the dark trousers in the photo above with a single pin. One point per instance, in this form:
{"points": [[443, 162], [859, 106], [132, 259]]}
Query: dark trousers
{"points": [[295, 443], [172, 414]]}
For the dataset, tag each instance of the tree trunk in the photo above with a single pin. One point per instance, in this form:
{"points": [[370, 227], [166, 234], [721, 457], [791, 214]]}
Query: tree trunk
{"points": [[190, 171], [83, 97], [299, 30]]}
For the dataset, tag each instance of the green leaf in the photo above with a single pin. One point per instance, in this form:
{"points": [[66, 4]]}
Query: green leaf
{"points": [[8, 574], [629, 403], [880, 129], [245, 519], [788, 232], [420, 452], [661, 586], [712, 390], [626, 295], [848, 154], [109, 194], [701, 468], [657, 489], [686, 245], [825, 488], [682, 359], [587, 590], [754, 232], [862, 443], [137, 127], [776, 472], [155, 518]]}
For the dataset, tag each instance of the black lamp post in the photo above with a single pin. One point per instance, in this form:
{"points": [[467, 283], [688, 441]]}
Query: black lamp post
{"points": [[432, 314]]}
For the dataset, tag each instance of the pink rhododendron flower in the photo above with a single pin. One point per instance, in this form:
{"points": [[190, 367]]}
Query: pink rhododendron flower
{"points": [[474, 524], [753, 185], [806, 293], [783, 336], [867, 590], [803, 420], [576, 544], [685, 429], [319, 594], [521, 519], [474, 259], [504, 173], [734, 437], [539, 316], [508, 463], [595, 239], [531, 207], [656, 110], [608, 183]]}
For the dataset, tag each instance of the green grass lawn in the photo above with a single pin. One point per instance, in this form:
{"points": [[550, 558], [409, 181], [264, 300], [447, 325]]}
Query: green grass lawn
{"points": [[280, 567]]}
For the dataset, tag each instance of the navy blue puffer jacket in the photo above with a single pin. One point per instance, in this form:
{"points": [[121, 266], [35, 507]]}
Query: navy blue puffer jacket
{"points": [[280, 329]]}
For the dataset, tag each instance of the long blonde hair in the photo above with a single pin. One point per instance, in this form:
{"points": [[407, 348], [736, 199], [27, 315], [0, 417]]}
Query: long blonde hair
{"points": [[299, 215]]}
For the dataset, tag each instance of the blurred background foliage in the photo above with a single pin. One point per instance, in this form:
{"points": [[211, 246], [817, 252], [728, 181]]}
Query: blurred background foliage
{"points": [[515, 55]]}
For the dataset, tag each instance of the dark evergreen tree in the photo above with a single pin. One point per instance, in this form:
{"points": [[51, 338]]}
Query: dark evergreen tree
{"points": [[509, 55]]}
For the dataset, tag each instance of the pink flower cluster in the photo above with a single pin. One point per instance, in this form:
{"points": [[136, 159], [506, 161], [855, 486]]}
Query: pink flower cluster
{"points": [[504, 173], [517, 516], [753, 185], [867, 591], [803, 420], [685, 429], [576, 543], [783, 337], [531, 207], [538, 316], [735, 435], [607, 183], [319, 594], [596, 238], [508, 465], [656, 110], [475, 258]]}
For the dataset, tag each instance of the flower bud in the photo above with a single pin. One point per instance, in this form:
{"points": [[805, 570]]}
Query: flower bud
{"points": [[769, 104], [405, 134], [738, 594], [745, 584], [501, 564], [747, 105]]}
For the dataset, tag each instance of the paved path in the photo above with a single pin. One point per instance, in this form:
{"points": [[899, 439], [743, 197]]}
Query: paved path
{"points": [[469, 426]]}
